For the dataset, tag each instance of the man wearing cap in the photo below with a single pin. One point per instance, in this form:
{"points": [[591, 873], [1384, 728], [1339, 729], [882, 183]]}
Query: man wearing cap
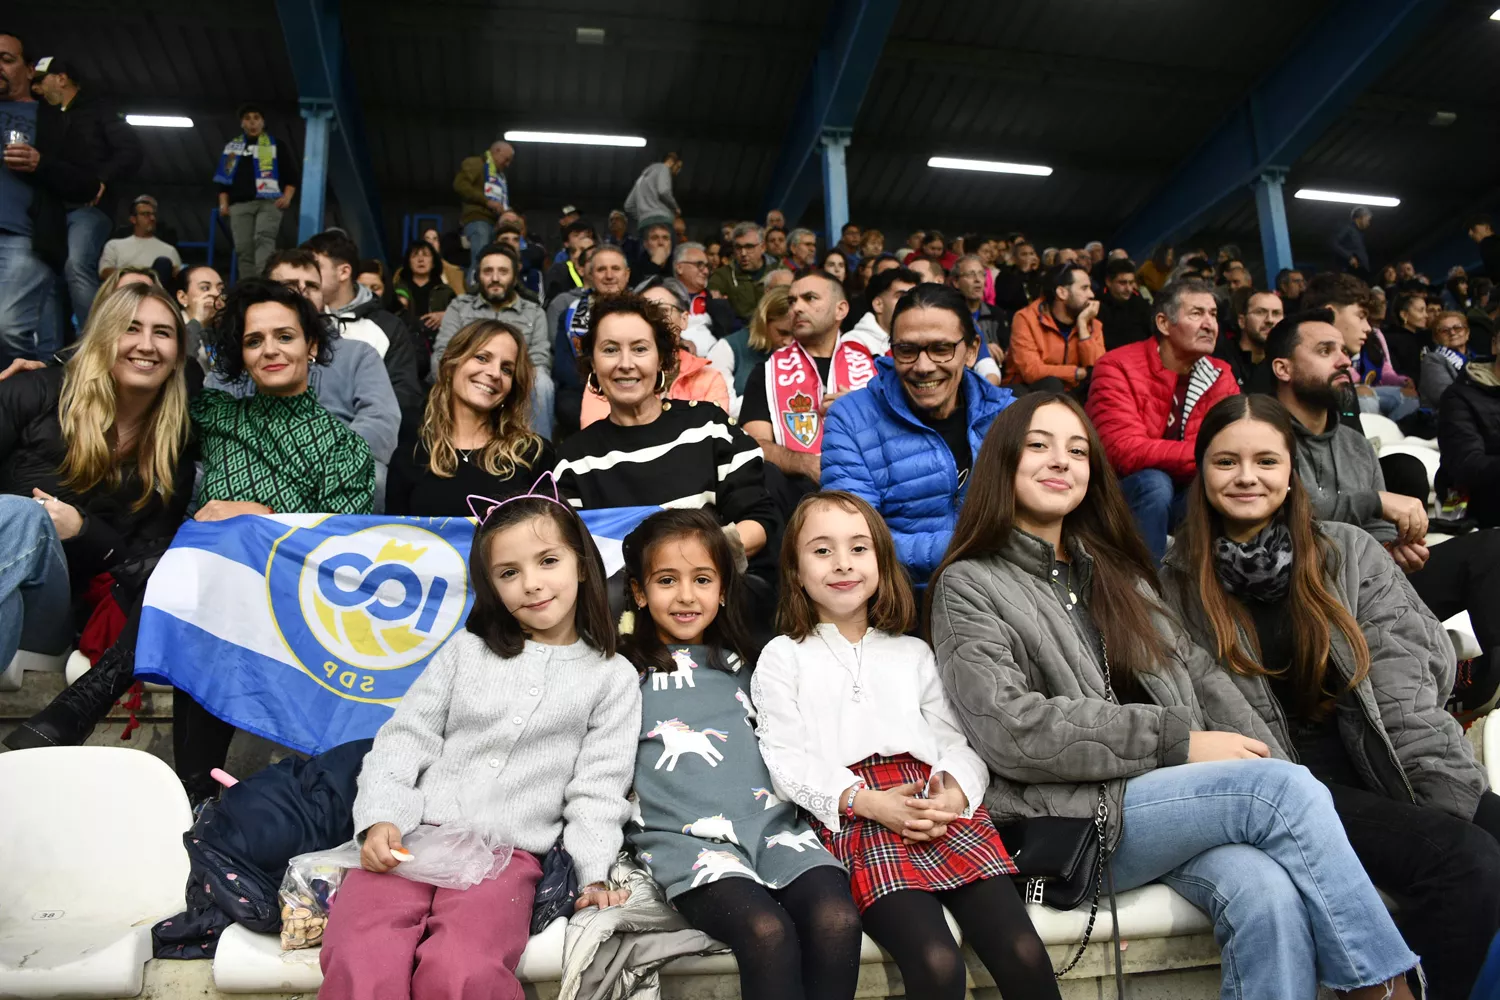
{"points": [[142, 248], [484, 193], [257, 179], [90, 126]]}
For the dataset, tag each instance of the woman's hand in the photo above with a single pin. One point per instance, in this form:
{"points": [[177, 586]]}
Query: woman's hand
{"points": [[601, 895], [380, 840], [945, 802], [223, 510], [892, 808], [21, 365], [432, 320], [1206, 746], [65, 517]]}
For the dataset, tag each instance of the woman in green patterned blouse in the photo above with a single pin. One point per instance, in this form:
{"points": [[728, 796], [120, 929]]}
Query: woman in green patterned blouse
{"points": [[277, 451]]}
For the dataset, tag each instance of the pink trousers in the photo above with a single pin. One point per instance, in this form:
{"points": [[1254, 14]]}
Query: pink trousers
{"points": [[389, 938]]}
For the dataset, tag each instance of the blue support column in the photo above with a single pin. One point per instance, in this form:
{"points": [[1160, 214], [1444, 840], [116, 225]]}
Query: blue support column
{"points": [[1275, 238], [319, 117], [835, 183], [836, 84], [1285, 112]]}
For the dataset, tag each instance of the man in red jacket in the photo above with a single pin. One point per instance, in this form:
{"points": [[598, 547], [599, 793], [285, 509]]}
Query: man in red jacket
{"points": [[1148, 398]]}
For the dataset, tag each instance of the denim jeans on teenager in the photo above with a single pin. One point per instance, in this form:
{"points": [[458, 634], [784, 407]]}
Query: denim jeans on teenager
{"points": [[1257, 845], [1158, 506], [1389, 401], [543, 397], [25, 284], [88, 230], [479, 234], [35, 604]]}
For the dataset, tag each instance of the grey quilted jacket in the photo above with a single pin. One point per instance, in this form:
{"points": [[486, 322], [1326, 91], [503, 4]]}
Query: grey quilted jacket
{"points": [[1400, 737], [1029, 689]]}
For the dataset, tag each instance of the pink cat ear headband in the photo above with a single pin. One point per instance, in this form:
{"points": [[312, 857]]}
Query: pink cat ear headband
{"points": [[483, 507]]}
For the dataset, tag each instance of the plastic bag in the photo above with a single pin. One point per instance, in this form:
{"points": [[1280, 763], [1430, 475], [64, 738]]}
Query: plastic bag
{"points": [[449, 857]]}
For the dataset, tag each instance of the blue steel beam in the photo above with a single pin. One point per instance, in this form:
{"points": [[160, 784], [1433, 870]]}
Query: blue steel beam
{"points": [[314, 31], [836, 85], [319, 117], [1283, 115], [1275, 237]]}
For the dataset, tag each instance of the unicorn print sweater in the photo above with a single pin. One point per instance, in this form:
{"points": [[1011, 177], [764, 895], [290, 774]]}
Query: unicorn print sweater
{"points": [[524, 748]]}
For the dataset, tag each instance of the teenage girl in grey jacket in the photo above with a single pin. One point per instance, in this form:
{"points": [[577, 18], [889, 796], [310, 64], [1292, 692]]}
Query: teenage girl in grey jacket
{"points": [[1319, 629], [1069, 678]]}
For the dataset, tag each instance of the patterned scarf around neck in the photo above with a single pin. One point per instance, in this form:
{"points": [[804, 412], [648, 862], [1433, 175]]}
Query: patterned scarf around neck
{"points": [[1455, 360], [1260, 568]]}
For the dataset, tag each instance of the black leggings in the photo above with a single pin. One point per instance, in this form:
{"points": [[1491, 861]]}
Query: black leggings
{"points": [[200, 743], [768, 929], [909, 924]]}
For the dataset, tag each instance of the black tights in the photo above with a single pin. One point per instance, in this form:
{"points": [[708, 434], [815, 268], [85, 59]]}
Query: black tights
{"points": [[768, 929], [909, 924]]}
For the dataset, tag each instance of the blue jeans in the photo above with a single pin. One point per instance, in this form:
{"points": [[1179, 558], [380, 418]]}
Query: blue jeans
{"points": [[543, 396], [479, 235], [35, 602], [1389, 401], [1158, 506], [88, 229], [1257, 845], [25, 284]]}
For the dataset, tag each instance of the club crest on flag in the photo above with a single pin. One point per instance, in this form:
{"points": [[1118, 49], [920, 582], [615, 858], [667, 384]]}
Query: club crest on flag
{"points": [[801, 419]]}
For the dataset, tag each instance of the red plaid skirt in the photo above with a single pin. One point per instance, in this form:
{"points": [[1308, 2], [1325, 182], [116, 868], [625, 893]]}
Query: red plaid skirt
{"points": [[880, 862]]}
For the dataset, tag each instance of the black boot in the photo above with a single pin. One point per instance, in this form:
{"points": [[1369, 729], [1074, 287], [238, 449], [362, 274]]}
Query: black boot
{"points": [[72, 715]]}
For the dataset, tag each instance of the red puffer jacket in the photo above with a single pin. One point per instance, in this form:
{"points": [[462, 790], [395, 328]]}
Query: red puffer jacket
{"points": [[1130, 401]]}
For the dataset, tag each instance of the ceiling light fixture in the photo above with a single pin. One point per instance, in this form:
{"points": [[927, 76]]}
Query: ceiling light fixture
{"points": [[1345, 198], [158, 121], [1495, 16], [989, 166], [576, 138]]}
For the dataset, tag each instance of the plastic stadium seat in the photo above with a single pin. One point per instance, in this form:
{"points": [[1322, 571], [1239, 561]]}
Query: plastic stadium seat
{"points": [[1380, 429], [1492, 749], [78, 665], [25, 659], [1152, 911], [94, 857], [1461, 632]]}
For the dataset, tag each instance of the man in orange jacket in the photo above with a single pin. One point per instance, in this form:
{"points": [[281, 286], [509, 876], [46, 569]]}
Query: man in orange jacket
{"points": [[1055, 340]]}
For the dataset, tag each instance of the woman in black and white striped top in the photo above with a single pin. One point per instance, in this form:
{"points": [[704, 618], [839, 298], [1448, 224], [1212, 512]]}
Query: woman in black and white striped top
{"points": [[672, 454]]}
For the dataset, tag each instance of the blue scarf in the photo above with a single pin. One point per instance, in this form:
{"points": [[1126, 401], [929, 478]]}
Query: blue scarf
{"points": [[496, 188], [1455, 360], [267, 170]]}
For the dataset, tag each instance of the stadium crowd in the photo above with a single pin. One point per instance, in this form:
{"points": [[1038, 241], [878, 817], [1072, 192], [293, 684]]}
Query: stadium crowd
{"points": [[1129, 508]]}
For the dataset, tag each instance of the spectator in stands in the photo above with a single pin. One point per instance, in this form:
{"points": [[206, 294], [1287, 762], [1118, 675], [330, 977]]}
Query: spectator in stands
{"points": [[33, 220], [776, 249], [1290, 284], [476, 435], [710, 319], [934, 248], [849, 243], [1379, 385], [1469, 439], [617, 229], [607, 273], [738, 354], [1153, 273], [1021, 285], [1246, 352], [452, 274], [89, 122], [655, 257], [785, 414], [802, 249], [1407, 337], [650, 452], [257, 178], [1125, 316], [1442, 364], [1085, 696], [361, 317], [1147, 400], [874, 327], [871, 244], [651, 199], [837, 264], [484, 194], [775, 219], [928, 270], [1237, 275], [201, 297], [1345, 664], [1348, 245], [567, 274], [906, 444], [1482, 232], [421, 294], [739, 281], [1055, 341], [994, 331], [371, 274], [142, 248]]}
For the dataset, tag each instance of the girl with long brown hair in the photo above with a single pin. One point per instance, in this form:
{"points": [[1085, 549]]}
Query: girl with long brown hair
{"points": [[1316, 626], [1087, 700]]}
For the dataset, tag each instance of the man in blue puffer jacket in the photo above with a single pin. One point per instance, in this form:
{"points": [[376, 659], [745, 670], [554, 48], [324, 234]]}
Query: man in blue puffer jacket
{"points": [[907, 442]]}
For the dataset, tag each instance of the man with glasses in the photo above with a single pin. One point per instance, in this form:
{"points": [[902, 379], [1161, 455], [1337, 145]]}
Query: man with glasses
{"points": [[709, 318], [739, 281], [907, 443]]}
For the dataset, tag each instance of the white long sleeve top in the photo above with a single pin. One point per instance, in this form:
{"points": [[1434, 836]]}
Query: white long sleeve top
{"points": [[811, 727]]}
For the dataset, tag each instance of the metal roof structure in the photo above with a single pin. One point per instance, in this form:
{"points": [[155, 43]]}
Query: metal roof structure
{"points": [[1113, 94]]}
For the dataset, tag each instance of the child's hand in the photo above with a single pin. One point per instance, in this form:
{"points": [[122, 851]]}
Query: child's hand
{"points": [[945, 802], [380, 840], [891, 807], [600, 895]]}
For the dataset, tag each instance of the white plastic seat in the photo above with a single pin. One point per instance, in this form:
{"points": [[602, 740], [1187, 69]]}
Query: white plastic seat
{"points": [[1492, 748], [1382, 430], [78, 665], [94, 857], [1461, 632], [25, 659], [1152, 911]]}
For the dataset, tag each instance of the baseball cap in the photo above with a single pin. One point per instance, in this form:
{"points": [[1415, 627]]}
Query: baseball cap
{"points": [[144, 199], [569, 209], [51, 64]]}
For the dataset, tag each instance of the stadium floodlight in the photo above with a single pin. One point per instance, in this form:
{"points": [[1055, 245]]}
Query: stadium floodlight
{"points": [[1346, 198], [158, 121], [989, 166], [576, 138]]}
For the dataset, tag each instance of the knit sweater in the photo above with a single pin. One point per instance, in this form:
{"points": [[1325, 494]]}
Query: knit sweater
{"points": [[522, 748]]}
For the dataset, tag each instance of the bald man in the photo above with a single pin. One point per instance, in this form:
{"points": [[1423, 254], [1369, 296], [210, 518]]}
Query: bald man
{"points": [[485, 194]]}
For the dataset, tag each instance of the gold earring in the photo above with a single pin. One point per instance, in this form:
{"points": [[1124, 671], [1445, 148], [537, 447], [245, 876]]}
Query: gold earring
{"points": [[661, 382], [592, 385]]}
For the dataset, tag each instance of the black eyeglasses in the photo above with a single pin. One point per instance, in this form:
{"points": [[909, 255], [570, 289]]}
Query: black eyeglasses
{"points": [[746, 246], [940, 351]]}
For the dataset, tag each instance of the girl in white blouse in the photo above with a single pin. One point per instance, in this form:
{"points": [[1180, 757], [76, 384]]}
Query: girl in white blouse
{"points": [[855, 729]]}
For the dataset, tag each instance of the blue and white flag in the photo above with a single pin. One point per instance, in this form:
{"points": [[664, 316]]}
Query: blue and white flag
{"points": [[307, 628]]}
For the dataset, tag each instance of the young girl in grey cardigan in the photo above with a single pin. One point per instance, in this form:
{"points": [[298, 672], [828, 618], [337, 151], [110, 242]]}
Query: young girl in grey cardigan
{"points": [[523, 726]]}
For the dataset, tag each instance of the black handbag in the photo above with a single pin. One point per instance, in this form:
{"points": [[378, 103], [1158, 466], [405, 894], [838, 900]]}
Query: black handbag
{"points": [[556, 890]]}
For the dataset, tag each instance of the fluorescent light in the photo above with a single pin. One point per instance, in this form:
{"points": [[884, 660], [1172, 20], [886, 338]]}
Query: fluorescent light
{"points": [[1495, 16], [989, 166], [1373, 200], [576, 138], [158, 121]]}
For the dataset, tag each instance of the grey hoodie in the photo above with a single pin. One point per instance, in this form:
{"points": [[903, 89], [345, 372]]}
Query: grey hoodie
{"points": [[521, 313], [1342, 476]]}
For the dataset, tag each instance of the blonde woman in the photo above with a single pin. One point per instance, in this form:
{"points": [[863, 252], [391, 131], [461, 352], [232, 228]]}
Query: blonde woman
{"points": [[476, 436], [770, 327], [95, 475]]}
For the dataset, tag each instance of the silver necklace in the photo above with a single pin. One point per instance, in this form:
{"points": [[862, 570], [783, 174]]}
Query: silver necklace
{"points": [[859, 662]]}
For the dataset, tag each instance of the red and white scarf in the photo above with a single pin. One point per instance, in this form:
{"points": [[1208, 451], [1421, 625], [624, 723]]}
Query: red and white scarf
{"points": [[795, 391]]}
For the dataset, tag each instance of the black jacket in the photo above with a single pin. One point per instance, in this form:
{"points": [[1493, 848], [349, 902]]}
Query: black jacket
{"points": [[406, 366], [1014, 289], [1406, 350], [115, 538], [1125, 322], [66, 175], [1469, 440], [93, 132]]}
